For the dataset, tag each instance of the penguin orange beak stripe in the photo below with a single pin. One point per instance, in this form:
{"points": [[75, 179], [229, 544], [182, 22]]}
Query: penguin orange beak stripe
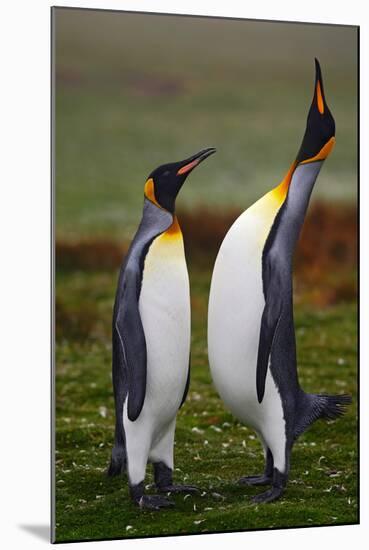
{"points": [[195, 160], [319, 97], [188, 167]]}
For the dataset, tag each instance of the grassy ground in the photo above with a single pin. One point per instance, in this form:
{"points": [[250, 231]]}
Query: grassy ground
{"points": [[212, 448]]}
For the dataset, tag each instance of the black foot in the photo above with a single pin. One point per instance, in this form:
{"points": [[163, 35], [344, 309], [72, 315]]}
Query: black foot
{"points": [[148, 502], [164, 481], [175, 489], [279, 483], [255, 480], [154, 502], [272, 494]]}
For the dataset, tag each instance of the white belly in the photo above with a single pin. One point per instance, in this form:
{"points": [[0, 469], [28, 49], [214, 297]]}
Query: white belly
{"points": [[165, 313], [236, 305]]}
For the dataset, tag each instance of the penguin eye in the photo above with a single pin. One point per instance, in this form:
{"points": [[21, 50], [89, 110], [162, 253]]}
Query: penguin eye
{"points": [[166, 173]]}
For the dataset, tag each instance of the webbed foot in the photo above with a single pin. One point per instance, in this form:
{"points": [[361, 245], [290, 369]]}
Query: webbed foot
{"points": [[154, 502], [255, 480], [164, 481], [269, 496], [279, 483], [148, 502]]}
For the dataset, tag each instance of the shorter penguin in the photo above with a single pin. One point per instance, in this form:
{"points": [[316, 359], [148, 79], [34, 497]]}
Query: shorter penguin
{"points": [[151, 339], [251, 335]]}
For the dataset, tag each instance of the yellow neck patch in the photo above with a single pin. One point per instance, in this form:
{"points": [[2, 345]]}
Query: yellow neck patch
{"points": [[280, 192], [174, 231], [149, 192]]}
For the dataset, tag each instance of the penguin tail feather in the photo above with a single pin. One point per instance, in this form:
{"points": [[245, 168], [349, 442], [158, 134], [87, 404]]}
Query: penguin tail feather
{"points": [[332, 406], [322, 406], [118, 462]]}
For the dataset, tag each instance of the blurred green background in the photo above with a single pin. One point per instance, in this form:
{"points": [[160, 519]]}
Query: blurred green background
{"points": [[133, 91]]}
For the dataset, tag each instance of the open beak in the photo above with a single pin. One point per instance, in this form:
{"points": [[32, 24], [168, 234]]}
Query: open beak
{"points": [[189, 164]]}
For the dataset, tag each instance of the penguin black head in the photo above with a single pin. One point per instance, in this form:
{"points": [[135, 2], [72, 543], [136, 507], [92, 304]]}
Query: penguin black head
{"points": [[320, 127], [164, 183]]}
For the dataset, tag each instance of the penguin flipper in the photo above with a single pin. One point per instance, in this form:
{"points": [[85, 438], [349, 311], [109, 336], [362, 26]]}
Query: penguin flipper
{"points": [[131, 335], [269, 323]]}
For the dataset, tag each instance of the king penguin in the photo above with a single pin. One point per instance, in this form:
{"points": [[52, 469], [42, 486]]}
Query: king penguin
{"points": [[251, 336], [151, 339]]}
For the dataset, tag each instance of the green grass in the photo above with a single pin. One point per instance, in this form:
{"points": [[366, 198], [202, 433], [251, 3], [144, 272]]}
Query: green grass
{"points": [[323, 485]]}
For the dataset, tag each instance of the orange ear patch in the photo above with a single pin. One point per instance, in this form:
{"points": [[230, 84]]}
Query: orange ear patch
{"points": [[149, 191], [187, 167], [323, 153], [319, 97]]}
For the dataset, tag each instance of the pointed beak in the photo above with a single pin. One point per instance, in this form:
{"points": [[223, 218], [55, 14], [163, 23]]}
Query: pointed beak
{"points": [[320, 130], [189, 164]]}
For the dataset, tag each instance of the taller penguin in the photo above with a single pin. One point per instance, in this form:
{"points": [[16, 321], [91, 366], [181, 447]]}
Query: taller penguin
{"points": [[151, 339], [251, 336]]}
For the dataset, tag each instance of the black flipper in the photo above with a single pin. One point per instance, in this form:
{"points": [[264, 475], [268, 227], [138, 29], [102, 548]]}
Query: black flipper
{"points": [[132, 338], [269, 323]]}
